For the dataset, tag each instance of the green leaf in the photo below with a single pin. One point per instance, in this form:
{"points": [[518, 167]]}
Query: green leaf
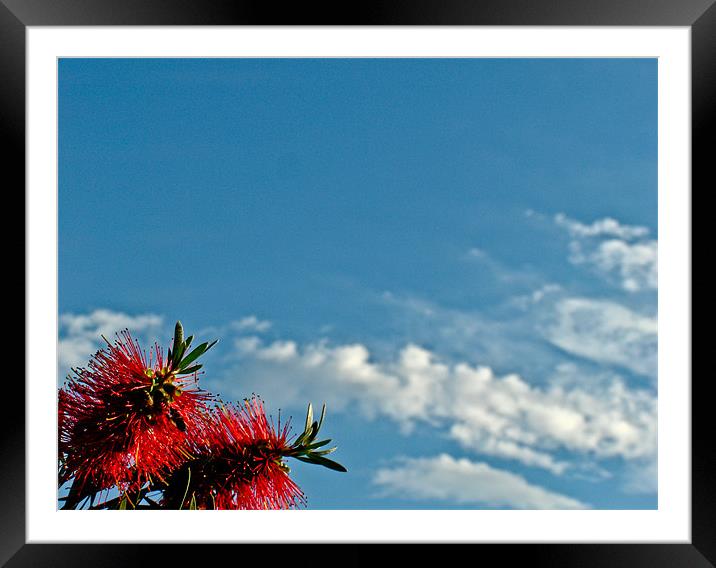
{"points": [[192, 503], [197, 352], [123, 504], [178, 354], [187, 343], [178, 334], [190, 370], [319, 460], [300, 439], [307, 436], [313, 432], [317, 444], [309, 417], [179, 345], [323, 415], [325, 452], [330, 464]]}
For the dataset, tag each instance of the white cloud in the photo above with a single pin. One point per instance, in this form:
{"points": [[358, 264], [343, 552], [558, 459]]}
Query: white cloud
{"points": [[506, 339], [463, 481], [80, 334], [499, 416], [278, 351], [607, 247], [526, 301], [635, 264], [605, 332], [251, 323], [606, 227]]}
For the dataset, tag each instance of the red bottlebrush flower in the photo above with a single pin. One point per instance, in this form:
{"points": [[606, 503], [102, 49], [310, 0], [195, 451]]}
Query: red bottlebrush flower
{"points": [[237, 464], [123, 419]]}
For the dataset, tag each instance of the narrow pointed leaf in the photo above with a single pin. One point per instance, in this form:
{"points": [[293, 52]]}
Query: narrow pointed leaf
{"points": [[319, 460], [312, 433], [325, 452], [318, 444], [197, 352], [323, 415], [300, 439], [306, 437], [325, 462], [309, 417], [178, 354]]}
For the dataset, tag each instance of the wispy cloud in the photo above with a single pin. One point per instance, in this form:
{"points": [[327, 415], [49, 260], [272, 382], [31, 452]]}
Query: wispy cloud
{"points": [[526, 301], [506, 339], [620, 253], [502, 273], [251, 323], [80, 334], [245, 324], [462, 481], [606, 227], [605, 332]]}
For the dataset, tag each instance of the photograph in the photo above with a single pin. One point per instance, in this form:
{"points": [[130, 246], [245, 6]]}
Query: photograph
{"points": [[357, 283], [300, 279]]}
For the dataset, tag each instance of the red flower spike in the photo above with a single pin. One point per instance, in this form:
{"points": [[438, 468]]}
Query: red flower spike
{"points": [[123, 418], [238, 464]]}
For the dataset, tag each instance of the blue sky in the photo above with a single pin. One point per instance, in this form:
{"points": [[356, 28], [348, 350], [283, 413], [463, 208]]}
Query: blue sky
{"points": [[457, 255]]}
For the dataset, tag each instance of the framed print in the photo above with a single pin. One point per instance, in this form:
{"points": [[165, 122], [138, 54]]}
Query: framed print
{"points": [[439, 226]]}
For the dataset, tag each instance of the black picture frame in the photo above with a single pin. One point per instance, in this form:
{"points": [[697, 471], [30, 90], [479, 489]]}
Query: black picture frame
{"points": [[17, 15]]}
